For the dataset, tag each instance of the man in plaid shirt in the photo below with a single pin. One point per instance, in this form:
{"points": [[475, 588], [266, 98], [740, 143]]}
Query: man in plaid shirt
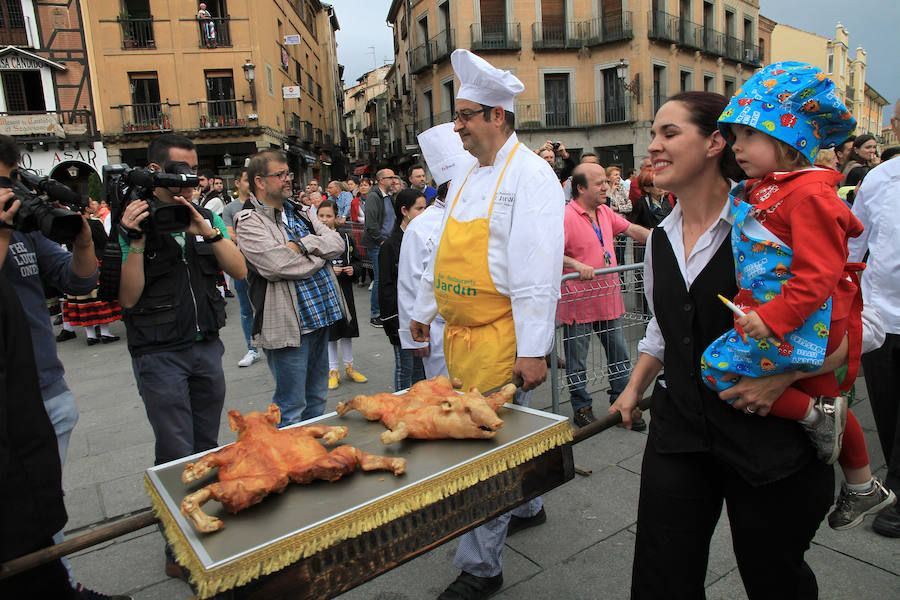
{"points": [[293, 288]]}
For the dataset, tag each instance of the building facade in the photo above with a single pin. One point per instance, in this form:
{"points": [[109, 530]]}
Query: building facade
{"points": [[45, 91], [251, 76], [595, 71], [362, 124], [847, 72]]}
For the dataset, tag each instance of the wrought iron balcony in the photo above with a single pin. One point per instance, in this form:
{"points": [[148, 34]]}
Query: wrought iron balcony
{"points": [[420, 58], [221, 114], [662, 27], [148, 117], [215, 32], [556, 35], [433, 51], [610, 28], [571, 115], [137, 33], [496, 36], [48, 125]]}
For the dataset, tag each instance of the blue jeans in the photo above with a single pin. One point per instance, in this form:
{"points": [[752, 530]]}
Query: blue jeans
{"points": [[408, 369], [577, 344], [242, 291], [301, 377], [375, 308]]}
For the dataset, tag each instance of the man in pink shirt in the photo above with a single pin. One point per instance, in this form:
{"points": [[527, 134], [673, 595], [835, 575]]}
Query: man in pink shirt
{"points": [[593, 303]]}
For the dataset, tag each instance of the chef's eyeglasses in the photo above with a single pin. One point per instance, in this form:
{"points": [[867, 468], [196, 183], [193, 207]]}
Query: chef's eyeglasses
{"points": [[465, 115], [282, 175]]}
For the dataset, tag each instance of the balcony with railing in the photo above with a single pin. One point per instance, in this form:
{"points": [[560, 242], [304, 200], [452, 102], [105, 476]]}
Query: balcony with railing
{"points": [[662, 27], [48, 125], [215, 32], [151, 117], [221, 114], [433, 51], [571, 115], [496, 36], [137, 33], [556, 35], [420, 58], [851, 93], [610, 28]]}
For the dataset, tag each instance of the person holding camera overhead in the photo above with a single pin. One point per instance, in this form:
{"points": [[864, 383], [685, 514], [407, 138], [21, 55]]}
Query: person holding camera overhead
{"points": [[553, 153], [173, 311]]}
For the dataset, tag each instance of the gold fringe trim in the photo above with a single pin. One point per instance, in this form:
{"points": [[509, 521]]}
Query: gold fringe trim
{"points": [[306, 543]]}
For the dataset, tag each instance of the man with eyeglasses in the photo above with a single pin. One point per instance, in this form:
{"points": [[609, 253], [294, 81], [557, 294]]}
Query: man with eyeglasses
{"points": [[495, 279], [293, 289], [379, 222], [173, 312]]}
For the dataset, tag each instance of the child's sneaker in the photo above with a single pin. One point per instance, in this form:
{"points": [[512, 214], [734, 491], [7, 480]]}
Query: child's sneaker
{"points": [[355, 376], [828, 432], [852, 507], [333, 377]]}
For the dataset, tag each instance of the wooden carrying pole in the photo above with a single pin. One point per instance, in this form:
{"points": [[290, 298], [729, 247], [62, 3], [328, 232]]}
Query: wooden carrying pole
{"points": [[146, 517]]}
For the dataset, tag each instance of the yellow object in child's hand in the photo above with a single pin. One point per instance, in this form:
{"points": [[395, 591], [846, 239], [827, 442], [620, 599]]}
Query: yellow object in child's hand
{"points": [[754, 326]]}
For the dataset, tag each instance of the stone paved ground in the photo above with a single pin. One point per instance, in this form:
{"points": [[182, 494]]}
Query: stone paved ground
{"points": [[584, 550]]}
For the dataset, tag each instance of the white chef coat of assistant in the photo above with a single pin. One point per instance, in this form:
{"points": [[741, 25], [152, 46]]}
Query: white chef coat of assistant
{"points": [[525, 247], [420, 241]]}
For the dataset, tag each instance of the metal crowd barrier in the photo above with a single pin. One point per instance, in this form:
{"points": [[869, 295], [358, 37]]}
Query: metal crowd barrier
{"points": [[584, 330]]}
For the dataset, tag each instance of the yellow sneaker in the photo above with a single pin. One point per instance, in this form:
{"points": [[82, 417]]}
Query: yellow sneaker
{"points": [[355, 376], [333, 376]]}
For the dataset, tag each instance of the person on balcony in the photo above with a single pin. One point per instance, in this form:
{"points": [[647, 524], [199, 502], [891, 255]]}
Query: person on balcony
{"points": [[207, 27]]}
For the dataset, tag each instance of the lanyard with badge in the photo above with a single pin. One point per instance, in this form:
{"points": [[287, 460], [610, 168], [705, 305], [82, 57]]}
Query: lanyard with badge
{"points": [[599, 232]]}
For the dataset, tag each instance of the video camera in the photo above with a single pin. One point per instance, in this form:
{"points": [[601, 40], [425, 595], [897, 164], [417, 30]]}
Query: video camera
{"points": [[123, 185], [39, 211]]}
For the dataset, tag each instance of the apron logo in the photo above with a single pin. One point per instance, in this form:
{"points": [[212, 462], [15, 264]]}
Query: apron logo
{"points": [[452, 285], [505, 198]]}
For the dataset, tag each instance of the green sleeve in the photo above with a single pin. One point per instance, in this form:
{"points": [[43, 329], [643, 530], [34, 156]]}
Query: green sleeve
{"points": [[220, 225]]}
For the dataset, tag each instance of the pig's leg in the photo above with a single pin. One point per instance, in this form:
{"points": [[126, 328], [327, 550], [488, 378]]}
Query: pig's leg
{"points": [[399, 432], [343, 461], [327, 433], [371, 407]]}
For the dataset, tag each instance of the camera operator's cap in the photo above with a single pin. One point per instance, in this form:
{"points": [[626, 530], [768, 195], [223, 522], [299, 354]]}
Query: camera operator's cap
{"points": [[481, 82], [793, 102], [443, 152]]}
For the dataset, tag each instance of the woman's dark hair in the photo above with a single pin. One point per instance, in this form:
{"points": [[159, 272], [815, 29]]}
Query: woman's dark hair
{"points": [[857, 144], [442, 191], [704, 109], [890, 153], [328, 203], [405, 199]]}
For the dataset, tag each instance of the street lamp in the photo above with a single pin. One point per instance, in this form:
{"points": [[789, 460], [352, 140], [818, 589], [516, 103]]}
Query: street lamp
{"points": [[250, 76], [634, 87], [73, 171], [226, 158]]}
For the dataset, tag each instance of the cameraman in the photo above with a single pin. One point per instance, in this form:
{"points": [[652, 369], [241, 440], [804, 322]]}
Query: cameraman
{"points": [[173, 312], [553, 153]]}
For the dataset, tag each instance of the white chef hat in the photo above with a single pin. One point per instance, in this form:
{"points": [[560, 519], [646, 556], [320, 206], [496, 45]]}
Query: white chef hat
{"points": [[443, 151], [481, 82]]}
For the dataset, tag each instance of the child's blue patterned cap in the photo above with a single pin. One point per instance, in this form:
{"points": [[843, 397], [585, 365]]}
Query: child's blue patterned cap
{"points": [[793, 102]]}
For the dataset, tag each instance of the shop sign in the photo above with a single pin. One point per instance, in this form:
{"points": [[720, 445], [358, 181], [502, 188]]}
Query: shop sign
{"points": [[291, 91], [376, 141], [42, 162], [18, 62], [292, 40], [37, 124]]}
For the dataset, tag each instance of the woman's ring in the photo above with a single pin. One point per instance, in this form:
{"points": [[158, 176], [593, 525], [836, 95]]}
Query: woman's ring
{"points": [[749, 410]]}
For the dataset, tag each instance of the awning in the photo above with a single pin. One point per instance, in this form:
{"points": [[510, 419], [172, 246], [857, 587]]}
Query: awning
{"points": [[362, 170], [310, 159]]}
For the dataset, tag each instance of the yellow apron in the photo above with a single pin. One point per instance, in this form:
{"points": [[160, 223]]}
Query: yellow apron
{"points": [[479, 337]]}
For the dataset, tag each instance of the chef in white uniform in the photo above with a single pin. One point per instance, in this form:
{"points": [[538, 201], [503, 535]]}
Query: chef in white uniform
{"points": [[494, 278], [444, 154]]}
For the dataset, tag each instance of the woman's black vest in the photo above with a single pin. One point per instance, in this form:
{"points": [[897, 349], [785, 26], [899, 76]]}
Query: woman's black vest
{"points": [[687, 415], [180, 300]]}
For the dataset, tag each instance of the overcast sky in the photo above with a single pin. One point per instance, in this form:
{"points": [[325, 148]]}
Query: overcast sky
{"points": [[873, 24]]}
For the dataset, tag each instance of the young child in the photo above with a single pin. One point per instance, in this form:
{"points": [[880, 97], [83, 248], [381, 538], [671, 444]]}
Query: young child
{"points": [[342, 332], [408, 368], [789, 240]]}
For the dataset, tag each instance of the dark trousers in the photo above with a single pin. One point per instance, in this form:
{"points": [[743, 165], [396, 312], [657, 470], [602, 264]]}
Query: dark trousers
{"points": [[183, 392], [49, 580], [882, 371], [771, 526]]}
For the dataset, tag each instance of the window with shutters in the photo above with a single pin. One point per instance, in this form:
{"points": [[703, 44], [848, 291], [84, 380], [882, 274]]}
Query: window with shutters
{"points": [[220, 95], [553, 20], [12, 24], [493, 22], [556, 99], [24, 91]]}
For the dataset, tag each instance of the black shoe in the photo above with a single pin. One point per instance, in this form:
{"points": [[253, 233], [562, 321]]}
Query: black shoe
{"points": [[471, 587], [229, 294], [92, 341], [887, 522], [517, 524], [88, 594], [58, 320], [109, 339], [376, 322], [584, 416], [64, 335]]}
